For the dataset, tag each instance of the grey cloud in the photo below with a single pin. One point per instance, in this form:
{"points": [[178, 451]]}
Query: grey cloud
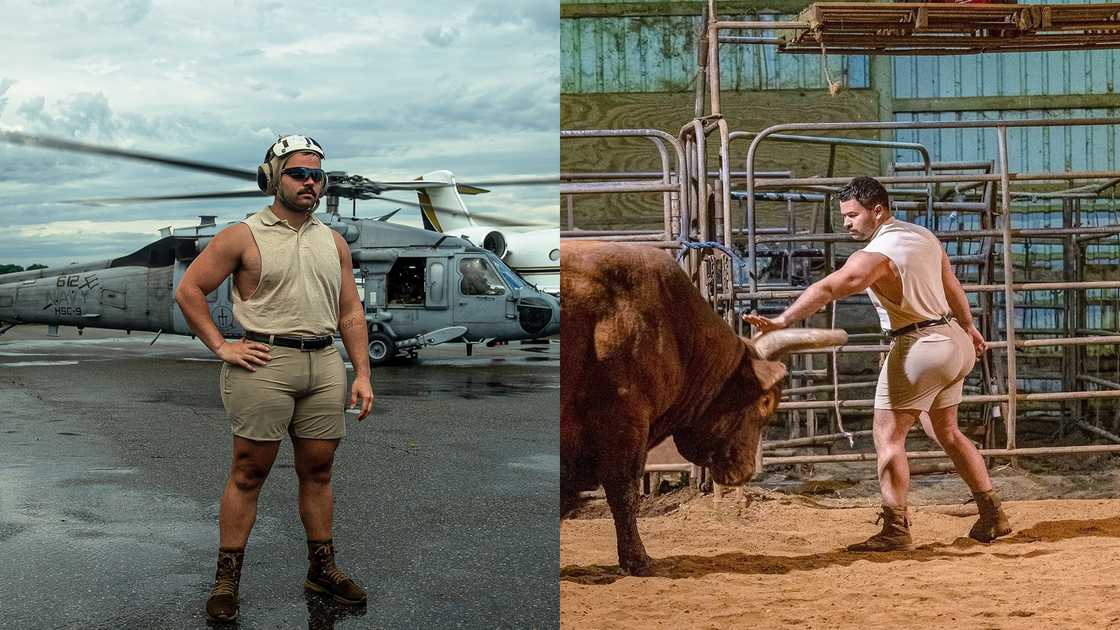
{"points": [[32, 110], [5, 85], [135, 10], [81, 115], [538, 15], [381, 110], [57, 251], [441, 36]]}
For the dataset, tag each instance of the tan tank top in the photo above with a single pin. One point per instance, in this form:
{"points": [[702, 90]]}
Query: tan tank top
{"points": [[300, 279], [916, 252]]}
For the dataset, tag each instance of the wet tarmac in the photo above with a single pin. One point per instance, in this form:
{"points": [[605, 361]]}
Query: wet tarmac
{"points": [[113, 454]]}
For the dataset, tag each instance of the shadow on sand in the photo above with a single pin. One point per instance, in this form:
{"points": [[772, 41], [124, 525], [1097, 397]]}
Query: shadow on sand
{"points": [[684, 567]]}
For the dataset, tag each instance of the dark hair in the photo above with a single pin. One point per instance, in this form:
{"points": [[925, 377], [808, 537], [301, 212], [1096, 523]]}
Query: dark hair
{"points": [[867, 191]]}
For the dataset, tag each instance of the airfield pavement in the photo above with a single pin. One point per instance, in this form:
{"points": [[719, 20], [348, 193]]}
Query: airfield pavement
{"points": [[113, 454]]}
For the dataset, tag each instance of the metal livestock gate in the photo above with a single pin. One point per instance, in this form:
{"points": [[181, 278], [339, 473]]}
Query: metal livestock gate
{"points": [[969, 204]]}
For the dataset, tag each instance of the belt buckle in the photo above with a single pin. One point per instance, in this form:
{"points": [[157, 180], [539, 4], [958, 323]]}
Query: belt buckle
{"points": [[302, 347]]}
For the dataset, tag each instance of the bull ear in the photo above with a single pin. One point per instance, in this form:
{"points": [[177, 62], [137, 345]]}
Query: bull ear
{"points": [[769, 373]]}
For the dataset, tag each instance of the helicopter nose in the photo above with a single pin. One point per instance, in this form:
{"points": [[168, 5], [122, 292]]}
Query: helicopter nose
{"points": [[553, 327]]}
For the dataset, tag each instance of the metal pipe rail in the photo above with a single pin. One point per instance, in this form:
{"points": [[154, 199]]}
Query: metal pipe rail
{"points": [[1004, 176], [858, 142], [984, 452], [869, 403], [834, 237], [776, 294], [711, 66], [1042, 176], [659, 138], [592, 175]]}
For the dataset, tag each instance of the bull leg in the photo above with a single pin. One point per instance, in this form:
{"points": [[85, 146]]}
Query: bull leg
{"points": [[621, 487]]}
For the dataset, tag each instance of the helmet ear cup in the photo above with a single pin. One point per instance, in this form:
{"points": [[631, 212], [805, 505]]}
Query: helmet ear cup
{"points": [[264, 177]]}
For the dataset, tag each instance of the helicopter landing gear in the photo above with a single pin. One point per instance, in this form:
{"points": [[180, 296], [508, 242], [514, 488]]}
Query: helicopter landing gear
{"points": [[382, 348]]}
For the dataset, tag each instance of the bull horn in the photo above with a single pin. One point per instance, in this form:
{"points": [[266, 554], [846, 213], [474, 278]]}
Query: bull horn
{"points": [[773, 345]]}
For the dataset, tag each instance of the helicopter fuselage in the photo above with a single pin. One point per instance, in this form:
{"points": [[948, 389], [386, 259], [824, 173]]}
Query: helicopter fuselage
{"points": [[411, 281]]}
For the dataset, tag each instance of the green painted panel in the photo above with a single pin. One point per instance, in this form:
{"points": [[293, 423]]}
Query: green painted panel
{"points": [[658, 54]]}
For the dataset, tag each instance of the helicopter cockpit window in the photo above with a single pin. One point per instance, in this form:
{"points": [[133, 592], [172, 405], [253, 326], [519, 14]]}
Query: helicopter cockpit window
{"points": [[479, 278], [405, 282], [510, 276]]}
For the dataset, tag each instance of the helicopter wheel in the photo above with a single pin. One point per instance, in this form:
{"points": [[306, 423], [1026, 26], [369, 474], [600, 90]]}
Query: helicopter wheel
{"points": [[382, 348]]}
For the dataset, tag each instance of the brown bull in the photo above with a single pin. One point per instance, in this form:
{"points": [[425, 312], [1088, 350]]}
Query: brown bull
{"points": [[646, 358]]}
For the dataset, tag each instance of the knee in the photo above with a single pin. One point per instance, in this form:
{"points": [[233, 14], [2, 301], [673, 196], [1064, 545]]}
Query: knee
{"points": [[950, 438], [316, 475], [248, 478]]}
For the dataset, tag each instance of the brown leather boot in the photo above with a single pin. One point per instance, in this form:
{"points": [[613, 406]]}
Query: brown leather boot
{"points": [[895, 535], [992, 522], [324, 577], [223, 602]]}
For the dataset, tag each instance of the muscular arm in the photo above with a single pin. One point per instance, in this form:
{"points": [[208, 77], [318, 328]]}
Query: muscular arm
{"points": [[220, 258], [213, 265], [860, 271], [954, 294], [352, 327], [958, 303]]}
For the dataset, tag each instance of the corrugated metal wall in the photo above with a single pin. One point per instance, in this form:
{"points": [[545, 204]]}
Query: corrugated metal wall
{"points": [[1029, 149], [1008, 74], [658, 54]]}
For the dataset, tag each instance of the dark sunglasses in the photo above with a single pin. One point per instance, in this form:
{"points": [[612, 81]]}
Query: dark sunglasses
{"points": [[301, 173]]}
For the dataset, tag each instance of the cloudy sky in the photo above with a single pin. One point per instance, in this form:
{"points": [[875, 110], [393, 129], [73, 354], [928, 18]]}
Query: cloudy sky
{"points": [[391, 89]]}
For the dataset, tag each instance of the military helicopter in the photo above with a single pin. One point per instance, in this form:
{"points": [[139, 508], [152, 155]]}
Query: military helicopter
{"points": [[419, 287]]}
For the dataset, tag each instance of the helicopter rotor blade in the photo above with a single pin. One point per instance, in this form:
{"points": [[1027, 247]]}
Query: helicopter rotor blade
{"points": [[188, 196], [15, 137], [521, 181]]}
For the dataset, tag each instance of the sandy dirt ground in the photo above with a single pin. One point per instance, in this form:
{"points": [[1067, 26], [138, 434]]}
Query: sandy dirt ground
{"points": [[769, 559]]}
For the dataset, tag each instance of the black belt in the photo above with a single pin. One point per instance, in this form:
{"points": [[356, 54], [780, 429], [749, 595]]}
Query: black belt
{"points": [[303, 343], [945, 319]]}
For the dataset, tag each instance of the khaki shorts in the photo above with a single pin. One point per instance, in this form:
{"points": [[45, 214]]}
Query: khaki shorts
{"points": [[925, 369], [299, 393]]}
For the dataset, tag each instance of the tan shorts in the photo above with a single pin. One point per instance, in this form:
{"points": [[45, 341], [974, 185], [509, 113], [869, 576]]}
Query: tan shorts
{"points": [[299, 393], [925, 369]]}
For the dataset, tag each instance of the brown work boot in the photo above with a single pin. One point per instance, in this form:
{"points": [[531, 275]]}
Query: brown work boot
{"points": [[223, 601], [992, 522], [324, 577], [895, 535]]}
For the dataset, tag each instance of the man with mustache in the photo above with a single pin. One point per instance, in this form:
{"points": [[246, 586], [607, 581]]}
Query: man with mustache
{"points": [[934, 346], [293, 289]]}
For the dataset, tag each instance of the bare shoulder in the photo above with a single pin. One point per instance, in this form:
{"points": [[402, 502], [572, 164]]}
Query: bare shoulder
{"points": [[341, 244], [232, 239], [234, 248]]}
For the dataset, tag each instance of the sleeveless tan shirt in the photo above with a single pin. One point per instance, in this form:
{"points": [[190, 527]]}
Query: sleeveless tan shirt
{"points": [[916, 252], [300, 279]]}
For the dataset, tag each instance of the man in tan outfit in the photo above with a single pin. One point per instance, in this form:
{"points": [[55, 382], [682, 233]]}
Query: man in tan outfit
{"points": [[293, 289], [934, 346]]}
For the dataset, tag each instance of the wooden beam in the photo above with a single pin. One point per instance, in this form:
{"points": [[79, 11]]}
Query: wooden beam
{"points": [[689, 7], [985, 103]]}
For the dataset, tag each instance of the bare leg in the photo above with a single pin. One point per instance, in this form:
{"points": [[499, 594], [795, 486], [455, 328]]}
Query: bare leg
{"points": [[314, 459], [969, 463], [890, 429], [252, 459]]}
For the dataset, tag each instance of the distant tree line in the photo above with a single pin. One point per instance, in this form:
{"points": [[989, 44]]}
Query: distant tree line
{"points": [[15, 268]]}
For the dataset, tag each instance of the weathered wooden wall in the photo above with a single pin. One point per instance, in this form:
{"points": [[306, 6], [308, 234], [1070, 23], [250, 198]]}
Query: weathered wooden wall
{"points": [[745, 111]]}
